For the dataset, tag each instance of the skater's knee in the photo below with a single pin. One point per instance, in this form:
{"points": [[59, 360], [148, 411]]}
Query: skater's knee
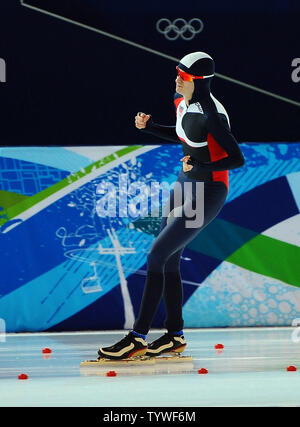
{"points": [[173, 262], [155, 261]]}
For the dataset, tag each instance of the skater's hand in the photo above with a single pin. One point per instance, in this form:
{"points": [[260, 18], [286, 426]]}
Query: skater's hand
{"points": [[141, 120], [185, 166]]}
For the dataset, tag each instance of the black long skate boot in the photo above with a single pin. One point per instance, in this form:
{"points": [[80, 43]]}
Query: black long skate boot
{"points": [[129, 346], [167, 343]]}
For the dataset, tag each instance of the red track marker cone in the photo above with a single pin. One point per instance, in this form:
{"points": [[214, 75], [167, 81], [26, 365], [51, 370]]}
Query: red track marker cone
{"points": [[22, 376], [291, 368], [202, 371]]}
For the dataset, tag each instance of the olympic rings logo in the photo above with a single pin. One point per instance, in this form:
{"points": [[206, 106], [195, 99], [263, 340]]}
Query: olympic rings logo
{"points": [[179, 28]]}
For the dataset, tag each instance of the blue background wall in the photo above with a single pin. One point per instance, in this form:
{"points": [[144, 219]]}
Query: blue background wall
{"points": [[241, 270]]}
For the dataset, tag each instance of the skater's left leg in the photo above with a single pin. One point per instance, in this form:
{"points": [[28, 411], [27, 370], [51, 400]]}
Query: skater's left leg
{"points": [[173, 238]]}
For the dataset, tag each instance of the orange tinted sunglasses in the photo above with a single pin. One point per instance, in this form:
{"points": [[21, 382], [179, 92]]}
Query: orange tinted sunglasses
{"points": [[187, 77]]}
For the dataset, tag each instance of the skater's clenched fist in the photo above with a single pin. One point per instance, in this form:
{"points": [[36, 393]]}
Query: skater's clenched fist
{"points": [[141, 120], [185, 166]]}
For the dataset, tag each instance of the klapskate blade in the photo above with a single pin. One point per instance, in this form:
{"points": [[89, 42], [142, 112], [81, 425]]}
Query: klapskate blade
{"points": [[173, 359], [122, 362]]}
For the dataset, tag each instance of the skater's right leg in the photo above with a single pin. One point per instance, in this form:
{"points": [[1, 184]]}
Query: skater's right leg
{"points": [[172, 238], [173, 294]]}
